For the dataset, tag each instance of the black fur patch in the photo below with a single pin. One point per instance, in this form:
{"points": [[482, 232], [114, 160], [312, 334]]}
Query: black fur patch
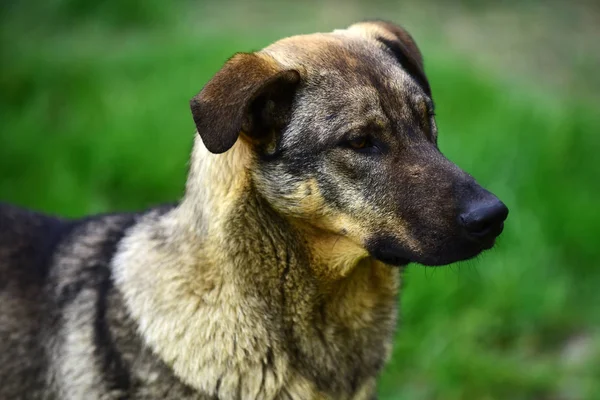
{"points": [[112, 365], [387, 250], [115, 372], [28, 240]]}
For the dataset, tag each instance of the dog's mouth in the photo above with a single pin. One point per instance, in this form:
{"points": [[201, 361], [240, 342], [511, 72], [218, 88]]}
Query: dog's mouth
{"points": [[390, 256], [387, 250], [391, 252]]}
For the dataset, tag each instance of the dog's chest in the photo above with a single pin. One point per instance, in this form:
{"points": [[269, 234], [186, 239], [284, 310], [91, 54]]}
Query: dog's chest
{"points": [[311, 350], [257, 333], [240, 354], [341, 354], [252, 360]]}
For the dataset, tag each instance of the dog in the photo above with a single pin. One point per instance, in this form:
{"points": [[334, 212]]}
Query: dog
{"points": [[315, 178]]}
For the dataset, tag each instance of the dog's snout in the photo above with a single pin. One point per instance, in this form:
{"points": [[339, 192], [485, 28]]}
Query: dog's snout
{"points": [[484, 219]]}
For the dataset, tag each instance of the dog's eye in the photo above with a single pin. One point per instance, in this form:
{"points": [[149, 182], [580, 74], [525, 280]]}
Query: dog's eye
{"points": [[359, 143]]}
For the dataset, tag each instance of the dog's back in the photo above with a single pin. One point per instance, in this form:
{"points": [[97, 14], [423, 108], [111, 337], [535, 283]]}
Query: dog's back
{"points": [[54, 285], [27, 241], [64, 328]]}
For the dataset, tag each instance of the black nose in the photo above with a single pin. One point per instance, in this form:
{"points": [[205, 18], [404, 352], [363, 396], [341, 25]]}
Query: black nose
{"points": [[484, 219]]}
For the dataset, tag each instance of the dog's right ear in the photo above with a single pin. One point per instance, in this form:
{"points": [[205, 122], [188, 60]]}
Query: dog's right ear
{"points": [[399, 43], [242, 98]]}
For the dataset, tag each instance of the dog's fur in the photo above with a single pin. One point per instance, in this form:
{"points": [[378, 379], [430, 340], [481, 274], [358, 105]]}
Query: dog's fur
{"points": [[271, 278]]}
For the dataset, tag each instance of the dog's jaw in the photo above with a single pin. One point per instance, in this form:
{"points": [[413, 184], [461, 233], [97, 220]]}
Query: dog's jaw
{"points": [[333, 256]]}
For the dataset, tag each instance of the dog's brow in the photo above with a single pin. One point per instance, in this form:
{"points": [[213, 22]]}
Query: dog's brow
{"points": [[371, 123], [374, 124]]}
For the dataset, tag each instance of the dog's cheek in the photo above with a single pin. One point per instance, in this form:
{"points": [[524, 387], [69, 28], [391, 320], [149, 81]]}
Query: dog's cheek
{"points": [[305, 200], [287, 193]]}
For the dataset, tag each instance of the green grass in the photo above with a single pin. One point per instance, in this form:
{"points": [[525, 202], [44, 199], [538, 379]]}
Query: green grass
{"points": [[94, 117]]}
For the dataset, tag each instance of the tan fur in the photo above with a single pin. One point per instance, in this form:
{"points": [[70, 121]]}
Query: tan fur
{"points": [[193, 310]]}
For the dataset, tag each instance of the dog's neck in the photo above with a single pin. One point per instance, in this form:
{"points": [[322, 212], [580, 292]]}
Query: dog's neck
{"points": [[214, 184], [218, 183], [226, 266]]}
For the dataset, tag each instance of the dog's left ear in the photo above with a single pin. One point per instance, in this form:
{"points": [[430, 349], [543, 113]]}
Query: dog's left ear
{"points": [[400, 44], [250, 95]]}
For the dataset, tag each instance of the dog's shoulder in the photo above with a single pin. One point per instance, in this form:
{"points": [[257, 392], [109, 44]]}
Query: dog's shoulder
{"points": [[27, 242], [88, 245], [31, 243], [55, 282]]}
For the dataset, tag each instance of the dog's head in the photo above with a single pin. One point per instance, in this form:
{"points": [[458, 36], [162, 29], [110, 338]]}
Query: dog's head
{"points": [[343, 131]]}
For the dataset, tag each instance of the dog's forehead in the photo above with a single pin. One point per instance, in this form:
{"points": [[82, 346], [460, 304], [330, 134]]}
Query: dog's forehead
{"points": [[343, 52], [350, 81]]}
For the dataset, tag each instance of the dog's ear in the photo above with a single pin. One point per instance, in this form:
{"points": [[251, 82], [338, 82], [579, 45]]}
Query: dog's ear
{"points": [[249, 95], [400, 44]]}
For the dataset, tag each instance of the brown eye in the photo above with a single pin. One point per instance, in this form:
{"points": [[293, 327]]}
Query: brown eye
{"points": [[363, 144], [358, 143]]}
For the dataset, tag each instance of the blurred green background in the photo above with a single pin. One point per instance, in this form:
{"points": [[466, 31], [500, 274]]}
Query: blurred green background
{"points": [[94, 117]]}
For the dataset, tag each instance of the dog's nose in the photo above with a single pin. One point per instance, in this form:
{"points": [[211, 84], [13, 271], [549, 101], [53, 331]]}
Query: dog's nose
{"points": [[484, 219]]}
